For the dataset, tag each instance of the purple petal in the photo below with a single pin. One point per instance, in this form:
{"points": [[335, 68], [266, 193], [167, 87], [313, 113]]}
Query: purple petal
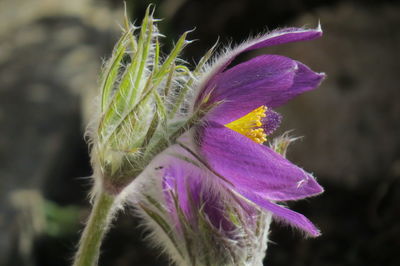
{"points": [[180, 179], [190, 185], [293, 218], [270, 39], [252, 166], [304, 80], [284, 36], [269, 80]]}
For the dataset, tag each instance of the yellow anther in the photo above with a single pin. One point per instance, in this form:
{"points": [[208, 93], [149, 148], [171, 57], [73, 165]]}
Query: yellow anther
{"points": [[250, 125]]}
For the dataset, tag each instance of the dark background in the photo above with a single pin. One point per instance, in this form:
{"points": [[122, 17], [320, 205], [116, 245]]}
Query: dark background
{"points": [[50, 57]]}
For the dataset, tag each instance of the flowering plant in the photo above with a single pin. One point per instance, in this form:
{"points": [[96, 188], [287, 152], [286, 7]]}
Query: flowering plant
{"points": [[186, 147]]}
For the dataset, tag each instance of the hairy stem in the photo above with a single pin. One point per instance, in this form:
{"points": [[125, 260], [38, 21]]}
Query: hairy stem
{"points": [[95, 229]]}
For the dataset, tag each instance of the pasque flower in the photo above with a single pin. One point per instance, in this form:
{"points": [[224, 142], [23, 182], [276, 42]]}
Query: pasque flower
{"points": [[230, 137], [220, 183]]}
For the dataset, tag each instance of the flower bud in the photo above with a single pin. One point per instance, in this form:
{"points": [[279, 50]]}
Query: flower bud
{"points": [[132, 121]]}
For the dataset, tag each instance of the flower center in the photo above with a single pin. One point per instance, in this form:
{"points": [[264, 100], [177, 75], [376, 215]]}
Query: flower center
{"points": [[257, 124]]}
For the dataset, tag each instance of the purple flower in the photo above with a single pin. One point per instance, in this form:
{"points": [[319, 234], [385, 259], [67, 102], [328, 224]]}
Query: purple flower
{"points": [[219, 184], [206, 222], [230, 137]]}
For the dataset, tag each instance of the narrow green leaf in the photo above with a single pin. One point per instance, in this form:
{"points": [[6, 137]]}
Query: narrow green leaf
{"points": [[148, 21], [205, 58], [164, 225], [111, 71], [179, 101], [189, 83], [168, 85], [182, 42], [185, 227], [151, 130], [156, 55], [130, 115]]}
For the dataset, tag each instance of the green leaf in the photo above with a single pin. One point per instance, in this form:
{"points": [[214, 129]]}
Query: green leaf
{"points": [[164, 69], [163, 224], [111, 70], [61, 220]]}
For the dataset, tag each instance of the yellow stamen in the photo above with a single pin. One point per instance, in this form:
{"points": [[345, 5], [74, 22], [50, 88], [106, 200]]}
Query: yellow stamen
{"points": [[250, 125]]}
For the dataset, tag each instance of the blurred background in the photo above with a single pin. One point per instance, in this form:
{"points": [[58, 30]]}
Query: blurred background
{"points": [[50, 56]]}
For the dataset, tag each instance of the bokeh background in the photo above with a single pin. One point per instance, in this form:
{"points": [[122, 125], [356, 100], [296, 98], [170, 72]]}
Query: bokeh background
{"points": [[50, 55]]}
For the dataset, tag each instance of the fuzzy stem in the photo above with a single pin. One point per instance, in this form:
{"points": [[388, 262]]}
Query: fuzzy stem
{"points": [[95, 229]]}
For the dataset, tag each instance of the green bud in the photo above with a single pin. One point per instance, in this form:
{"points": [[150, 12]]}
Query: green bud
{"points": [[135, 119]]}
